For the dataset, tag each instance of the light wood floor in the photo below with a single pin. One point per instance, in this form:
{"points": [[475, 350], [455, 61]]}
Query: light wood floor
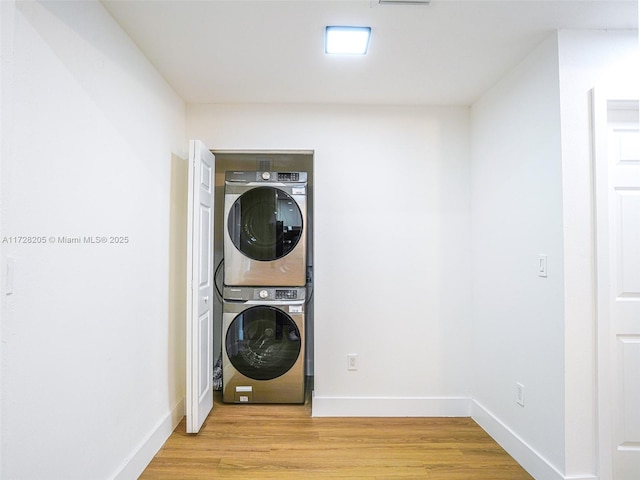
{"points": [[252, 442]]}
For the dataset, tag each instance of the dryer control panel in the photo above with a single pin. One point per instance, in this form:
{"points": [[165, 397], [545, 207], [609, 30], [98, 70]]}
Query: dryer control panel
{"points": [[262, 177], [288, 176]]}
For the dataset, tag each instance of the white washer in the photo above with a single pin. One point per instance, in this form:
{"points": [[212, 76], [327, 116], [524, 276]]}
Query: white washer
{"points": [[263, 345], [265, 229]]}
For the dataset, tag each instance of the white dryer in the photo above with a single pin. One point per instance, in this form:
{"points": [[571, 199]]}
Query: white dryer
{"points": [[263, 345], [264, 235]]}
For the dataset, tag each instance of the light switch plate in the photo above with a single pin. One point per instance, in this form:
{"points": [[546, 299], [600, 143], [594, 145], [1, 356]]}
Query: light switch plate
{"points": [[520, 394], [352, 361], [542, 265]]}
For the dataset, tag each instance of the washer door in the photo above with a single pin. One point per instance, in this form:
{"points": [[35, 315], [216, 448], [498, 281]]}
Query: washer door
{"points": [[265, 223], [263, 343]]}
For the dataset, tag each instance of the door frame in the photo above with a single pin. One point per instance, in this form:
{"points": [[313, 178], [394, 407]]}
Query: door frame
{"points": [[600, 98]]}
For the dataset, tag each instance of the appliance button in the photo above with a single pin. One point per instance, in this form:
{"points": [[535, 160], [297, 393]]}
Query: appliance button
{"points": [[263, 293], [266, 175]]}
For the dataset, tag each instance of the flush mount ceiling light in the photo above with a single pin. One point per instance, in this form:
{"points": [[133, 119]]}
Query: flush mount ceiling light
{"points": [[346, 40]]}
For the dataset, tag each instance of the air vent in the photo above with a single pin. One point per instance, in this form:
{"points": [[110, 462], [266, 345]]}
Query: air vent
{"points": [[404, 2], [265, 164]]}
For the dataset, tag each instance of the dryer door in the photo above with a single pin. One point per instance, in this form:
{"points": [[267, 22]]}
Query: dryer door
{"points": [[263, 343], [265, 223]]}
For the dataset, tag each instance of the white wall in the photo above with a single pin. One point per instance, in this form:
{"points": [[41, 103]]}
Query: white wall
{"points": [[392, 248], [517, 214], [92, 355], [532, 193], [587, 59]]}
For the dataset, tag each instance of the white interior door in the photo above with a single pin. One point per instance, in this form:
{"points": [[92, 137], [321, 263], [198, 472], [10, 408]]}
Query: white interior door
{"points": [[200, 285], [617, 170]]}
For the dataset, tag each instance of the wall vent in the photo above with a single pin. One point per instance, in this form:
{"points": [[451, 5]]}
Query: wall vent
{"points": [[265, 164]]}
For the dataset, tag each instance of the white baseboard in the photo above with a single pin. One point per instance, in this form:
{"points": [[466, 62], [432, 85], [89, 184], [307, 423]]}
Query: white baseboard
{"points": [[532, 461], [391, 406], [144, 453]]}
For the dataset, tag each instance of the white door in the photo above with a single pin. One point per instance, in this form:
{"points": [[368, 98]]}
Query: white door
{"points": [[617, 171], [200, 286]]}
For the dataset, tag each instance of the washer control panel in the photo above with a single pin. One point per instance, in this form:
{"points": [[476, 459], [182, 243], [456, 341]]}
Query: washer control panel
{"points": [[286, 294], [277, 294], [264, 294]]}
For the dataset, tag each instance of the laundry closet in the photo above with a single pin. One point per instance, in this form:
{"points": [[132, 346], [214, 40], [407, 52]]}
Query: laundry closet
{"points": [[261, 253]]}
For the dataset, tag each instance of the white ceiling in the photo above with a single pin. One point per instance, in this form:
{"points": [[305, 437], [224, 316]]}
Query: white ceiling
{"points": [[446, 53]]}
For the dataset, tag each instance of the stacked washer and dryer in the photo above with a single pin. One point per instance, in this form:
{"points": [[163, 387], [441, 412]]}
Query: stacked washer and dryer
{"points": [[265, 273]]}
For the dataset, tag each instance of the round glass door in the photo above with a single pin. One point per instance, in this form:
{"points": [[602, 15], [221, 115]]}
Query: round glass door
{"points": [[265, 223], [263, 343]]}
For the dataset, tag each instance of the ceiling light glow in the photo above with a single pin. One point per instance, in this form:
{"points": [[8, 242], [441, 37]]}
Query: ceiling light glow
{"points": [[346, 40]]}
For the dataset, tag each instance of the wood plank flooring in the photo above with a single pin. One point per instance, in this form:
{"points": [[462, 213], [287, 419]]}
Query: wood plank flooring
{"points": [[285, 442]]}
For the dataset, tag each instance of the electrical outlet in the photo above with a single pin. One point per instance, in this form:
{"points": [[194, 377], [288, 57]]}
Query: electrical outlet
{"points": [[352, 361], [520, 394]]}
